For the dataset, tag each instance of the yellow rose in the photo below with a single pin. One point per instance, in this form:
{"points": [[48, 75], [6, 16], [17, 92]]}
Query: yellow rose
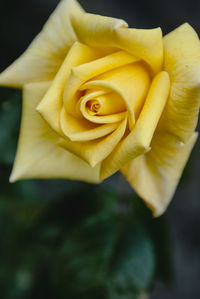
{"points": [[99, 97]]}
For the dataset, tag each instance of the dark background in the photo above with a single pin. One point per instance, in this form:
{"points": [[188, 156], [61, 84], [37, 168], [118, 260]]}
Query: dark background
{"points": [[20, 21]]}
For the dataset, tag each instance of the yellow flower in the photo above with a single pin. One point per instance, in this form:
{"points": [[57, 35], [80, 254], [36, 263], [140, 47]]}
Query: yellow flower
{"points": [[99, 97]]}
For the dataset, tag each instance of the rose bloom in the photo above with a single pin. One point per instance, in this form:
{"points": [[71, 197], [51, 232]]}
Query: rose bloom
{"points": [[99, 97]]}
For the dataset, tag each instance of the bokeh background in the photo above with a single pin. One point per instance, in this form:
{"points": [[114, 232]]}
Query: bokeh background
{"points": [[39, 219]]}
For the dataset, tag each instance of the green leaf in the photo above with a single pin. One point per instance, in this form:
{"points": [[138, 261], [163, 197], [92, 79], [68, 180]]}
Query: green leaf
{"points": [[104, 253], [90, 243], [157, 230], [134, 262]]}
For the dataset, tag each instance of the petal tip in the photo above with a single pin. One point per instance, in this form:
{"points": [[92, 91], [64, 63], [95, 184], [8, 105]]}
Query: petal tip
{"points": [[14, 177], [8, 80]]}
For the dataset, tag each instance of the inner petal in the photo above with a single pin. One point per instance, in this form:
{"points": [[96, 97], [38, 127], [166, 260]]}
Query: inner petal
{"points": [[132, 79], [86, 71], [126, 88], [110, 103], [83, 130], [94, 106], [101, 107]]}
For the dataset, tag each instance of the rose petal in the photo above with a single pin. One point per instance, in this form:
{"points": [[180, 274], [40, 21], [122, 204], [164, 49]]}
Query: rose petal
{"points": [[156, 174], [38, 155], [146, 44], [74, 127], [42, 59], [100, 31], [51, 104], [99, 118], [96, 151], [133, 80], [182, 62], [109, 103], [83, 130], [82, 73], [138, 141], [129, 82], [110, 86]]}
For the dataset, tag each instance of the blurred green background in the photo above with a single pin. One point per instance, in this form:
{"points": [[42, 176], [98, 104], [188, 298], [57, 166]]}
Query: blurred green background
{"points": [[64, 239]]}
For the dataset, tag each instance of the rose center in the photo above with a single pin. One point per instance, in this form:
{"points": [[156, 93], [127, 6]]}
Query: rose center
{"points": [[93, 106]]}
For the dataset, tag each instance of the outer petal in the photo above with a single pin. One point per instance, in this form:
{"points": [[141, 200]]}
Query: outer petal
{"points": [[99, 31], [44, 56], [182, 62], [38, 155], [138, 141], [156, 174]]}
